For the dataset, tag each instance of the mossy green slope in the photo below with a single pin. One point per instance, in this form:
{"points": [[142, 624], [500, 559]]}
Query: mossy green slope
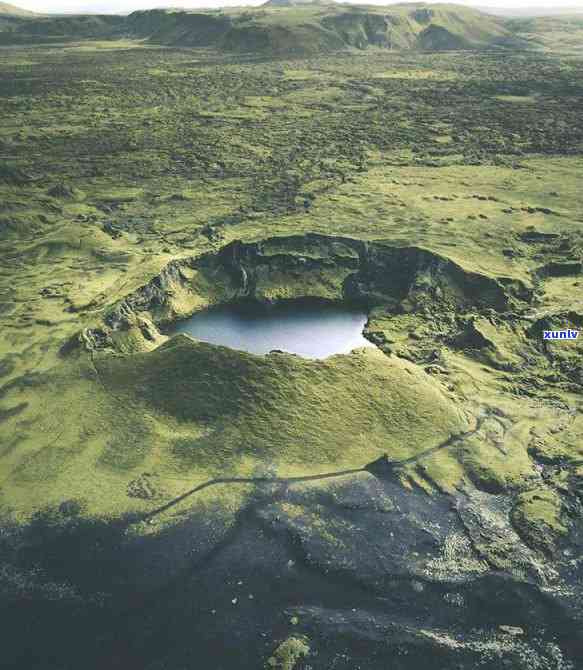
{"points": [[189, 410], [450, 183], [197, 152], [298, 29], [35, 28], [314, 28], [551, 33]]}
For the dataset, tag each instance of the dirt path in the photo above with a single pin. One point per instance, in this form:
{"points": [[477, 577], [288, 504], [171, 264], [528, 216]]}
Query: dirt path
{"points": [[249, 480], [377, 468]]}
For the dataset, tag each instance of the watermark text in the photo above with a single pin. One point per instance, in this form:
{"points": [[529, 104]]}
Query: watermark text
{"points": [[560, 334]]}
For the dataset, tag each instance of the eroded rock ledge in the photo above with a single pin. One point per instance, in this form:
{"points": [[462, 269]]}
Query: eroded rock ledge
{"points": [[407, 279]]}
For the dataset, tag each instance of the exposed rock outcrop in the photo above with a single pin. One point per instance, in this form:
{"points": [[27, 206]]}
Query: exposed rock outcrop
{"points": [[378, 274]]}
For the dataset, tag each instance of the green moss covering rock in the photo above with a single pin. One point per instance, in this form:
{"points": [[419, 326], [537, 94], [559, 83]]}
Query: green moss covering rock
{"points": [[288, 653], [537, 516]]}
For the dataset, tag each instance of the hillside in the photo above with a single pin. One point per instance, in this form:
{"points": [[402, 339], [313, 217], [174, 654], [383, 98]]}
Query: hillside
{"points": [[284, 27], [554, 33], [12, 10], [533, 12], [298, 3], [36, 29], [324, 27]]}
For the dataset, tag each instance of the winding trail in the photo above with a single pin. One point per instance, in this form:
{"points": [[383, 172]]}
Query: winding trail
{"points": [[380, 467], [450, 442], [248, 480]]}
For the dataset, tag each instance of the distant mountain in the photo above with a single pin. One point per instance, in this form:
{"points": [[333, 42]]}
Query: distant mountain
{"points": [[297, 3], [534, 12], [296, 27], [35, 29], [12, 10], [286, 27], [553, 33]]}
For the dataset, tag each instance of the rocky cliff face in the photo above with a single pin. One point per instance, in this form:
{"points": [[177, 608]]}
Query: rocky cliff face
{"points": [[397, 279]]}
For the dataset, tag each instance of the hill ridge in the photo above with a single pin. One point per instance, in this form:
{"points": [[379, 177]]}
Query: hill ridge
{"points": [[310, 28], [283, 28], [12, 10]]}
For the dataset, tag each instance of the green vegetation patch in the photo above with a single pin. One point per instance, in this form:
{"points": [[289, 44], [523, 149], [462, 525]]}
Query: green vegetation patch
{"points": [[288, 653], [102, 186], [537, 516], [346, 410], [190, 409]]}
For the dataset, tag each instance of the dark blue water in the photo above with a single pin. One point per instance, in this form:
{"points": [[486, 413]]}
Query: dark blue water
{"points": [[313, 330]]}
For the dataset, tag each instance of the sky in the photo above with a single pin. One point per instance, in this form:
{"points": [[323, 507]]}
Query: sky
{"points": [[124, 6]]}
